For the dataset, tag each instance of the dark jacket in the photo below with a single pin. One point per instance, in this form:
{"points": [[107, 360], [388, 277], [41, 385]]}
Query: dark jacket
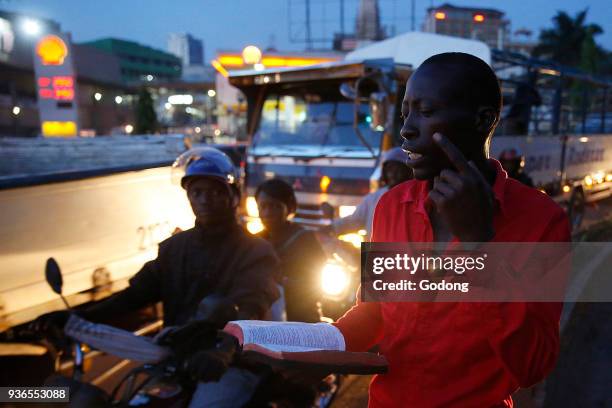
{"points": [[302, 259], [196, 263]]}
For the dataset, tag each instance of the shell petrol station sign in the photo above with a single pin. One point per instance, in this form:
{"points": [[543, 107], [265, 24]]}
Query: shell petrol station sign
{"points": [[56, 85]]}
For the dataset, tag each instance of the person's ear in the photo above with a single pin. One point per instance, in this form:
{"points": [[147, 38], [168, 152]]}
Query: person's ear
{"points": [[486, 119]]}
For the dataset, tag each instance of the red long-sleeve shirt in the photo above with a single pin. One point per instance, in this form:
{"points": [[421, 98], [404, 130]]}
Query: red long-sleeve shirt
{"points": [[459, 354]]}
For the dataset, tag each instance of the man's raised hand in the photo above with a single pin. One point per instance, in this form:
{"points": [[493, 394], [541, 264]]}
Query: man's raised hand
{"points": [[463, 197]]}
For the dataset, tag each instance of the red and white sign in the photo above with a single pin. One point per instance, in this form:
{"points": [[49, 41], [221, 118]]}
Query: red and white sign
{"points": [[56, 82]]}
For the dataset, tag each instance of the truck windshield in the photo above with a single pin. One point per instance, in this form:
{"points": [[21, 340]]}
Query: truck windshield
{"points": [[308, 120]]}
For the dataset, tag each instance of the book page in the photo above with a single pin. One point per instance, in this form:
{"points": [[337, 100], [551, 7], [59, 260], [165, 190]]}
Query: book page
{"points": [[291, 336]]}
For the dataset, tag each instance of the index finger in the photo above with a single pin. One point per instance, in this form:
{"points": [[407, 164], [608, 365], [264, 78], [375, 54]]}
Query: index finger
{"points": [[455, 156]]}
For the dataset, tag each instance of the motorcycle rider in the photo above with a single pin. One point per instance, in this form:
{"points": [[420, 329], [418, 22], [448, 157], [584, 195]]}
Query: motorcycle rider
{"points": [[216, 257], [394, 172], [299, 250], [514, 163]]}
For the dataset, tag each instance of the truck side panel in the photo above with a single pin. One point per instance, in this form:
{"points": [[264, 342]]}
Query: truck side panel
{"points": [[542, 155], [112, 222], [586, 158]]}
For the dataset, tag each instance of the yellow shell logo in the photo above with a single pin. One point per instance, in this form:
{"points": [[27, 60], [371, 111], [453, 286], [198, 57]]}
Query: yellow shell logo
{"points": [[52, 50]]}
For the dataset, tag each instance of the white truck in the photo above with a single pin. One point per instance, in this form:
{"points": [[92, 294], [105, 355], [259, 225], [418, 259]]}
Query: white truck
{"points": [[101, 222]]}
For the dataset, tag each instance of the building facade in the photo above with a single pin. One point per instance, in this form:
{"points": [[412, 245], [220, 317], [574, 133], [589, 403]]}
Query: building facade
{"points": [[139, 63], [189, 49], [484, 24], [367, 22], [105, 103]]}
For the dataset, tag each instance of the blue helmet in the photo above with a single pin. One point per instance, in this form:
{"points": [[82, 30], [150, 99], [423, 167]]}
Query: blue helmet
{"points": [[206, 162]]}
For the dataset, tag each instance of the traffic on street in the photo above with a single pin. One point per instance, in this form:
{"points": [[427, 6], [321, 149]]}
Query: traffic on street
{"points": [[340, 203]]}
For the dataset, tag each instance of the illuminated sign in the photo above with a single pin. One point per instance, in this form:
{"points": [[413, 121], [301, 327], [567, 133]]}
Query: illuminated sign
{"points": [[51, 50], [57, 128], [60, 88], [219, 67], [56, 82], [63, 82], [237, 61]]}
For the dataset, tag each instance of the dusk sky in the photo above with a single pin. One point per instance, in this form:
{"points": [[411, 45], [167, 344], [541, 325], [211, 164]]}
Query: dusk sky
{"points": [[233, 24]]}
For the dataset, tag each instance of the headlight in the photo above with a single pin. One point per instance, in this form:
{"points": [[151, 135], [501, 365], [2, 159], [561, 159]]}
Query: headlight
{"points": [[355, 239], [334, 279], [254, 226], [346, 210], [251, 207]]}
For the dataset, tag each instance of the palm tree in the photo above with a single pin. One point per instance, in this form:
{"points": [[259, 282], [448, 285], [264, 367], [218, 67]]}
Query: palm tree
{"points": [[565, 41]]}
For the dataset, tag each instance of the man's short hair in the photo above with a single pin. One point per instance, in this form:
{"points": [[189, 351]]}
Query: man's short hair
{"points": [[479, 84]]}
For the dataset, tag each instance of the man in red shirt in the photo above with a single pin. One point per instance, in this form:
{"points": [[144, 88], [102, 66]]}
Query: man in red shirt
{"points": [[457, 354]]}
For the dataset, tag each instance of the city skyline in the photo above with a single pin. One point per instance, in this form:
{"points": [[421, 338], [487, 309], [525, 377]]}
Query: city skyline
{"points": [[88, 21]]}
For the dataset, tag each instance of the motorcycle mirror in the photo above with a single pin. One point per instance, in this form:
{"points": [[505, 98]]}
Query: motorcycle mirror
{"points": [[327, 210], [378, 110], [348, 91], [53, 274]]}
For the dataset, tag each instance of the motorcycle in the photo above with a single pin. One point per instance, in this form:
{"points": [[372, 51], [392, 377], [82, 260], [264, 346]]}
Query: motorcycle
{"points": [[165, 383], [340, 274], [152, 385]]}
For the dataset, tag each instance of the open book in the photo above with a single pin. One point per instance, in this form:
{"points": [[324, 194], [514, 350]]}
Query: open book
{"points": [[318, 346]]}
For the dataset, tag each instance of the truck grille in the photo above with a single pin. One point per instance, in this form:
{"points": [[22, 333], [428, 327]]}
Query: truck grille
{"points": [[310, 216]]}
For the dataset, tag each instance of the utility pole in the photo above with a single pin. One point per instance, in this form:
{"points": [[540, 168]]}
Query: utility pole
{"points": [[412, 25], [342, 18], [308, 37]]}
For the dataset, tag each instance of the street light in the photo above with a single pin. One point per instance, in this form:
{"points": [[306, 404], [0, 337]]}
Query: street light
{"points": [[16, 110], [31, 27], [98, 96], [129, 129], [118, 99], [251, 55], [211, 93]]}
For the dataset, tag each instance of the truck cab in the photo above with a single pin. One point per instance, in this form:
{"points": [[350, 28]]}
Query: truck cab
{"points": [[320, 129]]}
